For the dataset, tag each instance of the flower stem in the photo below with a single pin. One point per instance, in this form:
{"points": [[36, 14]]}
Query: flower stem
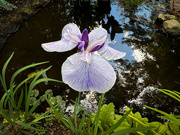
{"points": [[98, 113], [76, 109]]}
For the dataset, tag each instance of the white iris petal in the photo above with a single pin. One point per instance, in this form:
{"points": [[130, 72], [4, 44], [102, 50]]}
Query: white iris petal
{"points": [[98, 75]]}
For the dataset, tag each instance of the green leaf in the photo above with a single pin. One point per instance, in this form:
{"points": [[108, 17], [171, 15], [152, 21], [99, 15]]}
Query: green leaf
{"points": [[32, 101], [168, 132], [170, 117], [174, 128], [131, 130], [107, 114], [25, 125], [112, 128], [162, 129], [72, 128], [21, 70], [34, 93], [52, 100], [82, 121], [25, 132], [123, 125], [20, 101], [48, 93], [155, 125], [171, 94]]}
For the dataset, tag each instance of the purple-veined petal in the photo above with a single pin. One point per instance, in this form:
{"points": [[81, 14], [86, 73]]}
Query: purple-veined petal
{"points": [[71, 28], [71, 37], [97, 76], [59, 46], [96, 33], [110, 54]]}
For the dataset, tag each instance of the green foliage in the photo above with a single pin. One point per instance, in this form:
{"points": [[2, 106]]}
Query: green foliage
{"points": [[170, 117], [172, 127], [15, 116], [108, 119], [27, 10], [107, 115], [2, 132], [56, 101], [104, 122], [6, 5]]}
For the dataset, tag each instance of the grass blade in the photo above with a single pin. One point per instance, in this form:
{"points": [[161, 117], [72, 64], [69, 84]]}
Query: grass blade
{"points": [[20, 100], [25, 132], [25, 125], [170, 117], [171, 94], [22, 69], [14, 76], [40, 73], [4, 72], [82, 121], [70, 123], [34, 107], [97, 115]]}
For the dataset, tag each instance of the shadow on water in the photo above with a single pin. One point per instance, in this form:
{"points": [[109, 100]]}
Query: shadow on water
{"points": [[151, 62]]}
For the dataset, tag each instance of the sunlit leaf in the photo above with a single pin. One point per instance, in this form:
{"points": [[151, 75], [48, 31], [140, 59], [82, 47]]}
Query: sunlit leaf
{"points": [[107, 114]]}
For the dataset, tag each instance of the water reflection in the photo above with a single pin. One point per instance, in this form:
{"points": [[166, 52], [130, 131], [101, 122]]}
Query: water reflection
{"points": [[151, 62]]}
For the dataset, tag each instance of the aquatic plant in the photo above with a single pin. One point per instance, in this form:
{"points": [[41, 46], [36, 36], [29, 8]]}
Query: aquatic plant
{"points": [[10, 103], [86, 70]]}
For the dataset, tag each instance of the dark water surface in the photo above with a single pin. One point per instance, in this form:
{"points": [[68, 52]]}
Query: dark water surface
{"points": [[151, 62]]}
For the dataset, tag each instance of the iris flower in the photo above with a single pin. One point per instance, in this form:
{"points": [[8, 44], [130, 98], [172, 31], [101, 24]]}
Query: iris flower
{"points": [[87, 69]]}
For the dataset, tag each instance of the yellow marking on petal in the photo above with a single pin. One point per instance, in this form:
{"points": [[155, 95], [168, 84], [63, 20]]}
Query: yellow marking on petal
{"points": [[90, 55]]}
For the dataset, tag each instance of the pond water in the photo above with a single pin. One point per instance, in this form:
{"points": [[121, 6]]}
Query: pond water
{"points": [[151, 62]]}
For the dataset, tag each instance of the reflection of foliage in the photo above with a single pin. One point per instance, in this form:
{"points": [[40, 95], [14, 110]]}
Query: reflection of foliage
{"points": [[6, 5], [160, 61], [130, 3], [79, 2]]}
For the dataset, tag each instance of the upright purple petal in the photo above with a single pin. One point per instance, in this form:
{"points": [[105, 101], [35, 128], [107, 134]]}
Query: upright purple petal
{"points": [[71, 28], [97, 47], [95, 34], [97, 76], [85, 38], [59, 46], [110, 53]]}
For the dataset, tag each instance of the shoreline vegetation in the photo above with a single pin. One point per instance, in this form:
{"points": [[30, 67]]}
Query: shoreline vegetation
{"points": [[15, 13]]}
